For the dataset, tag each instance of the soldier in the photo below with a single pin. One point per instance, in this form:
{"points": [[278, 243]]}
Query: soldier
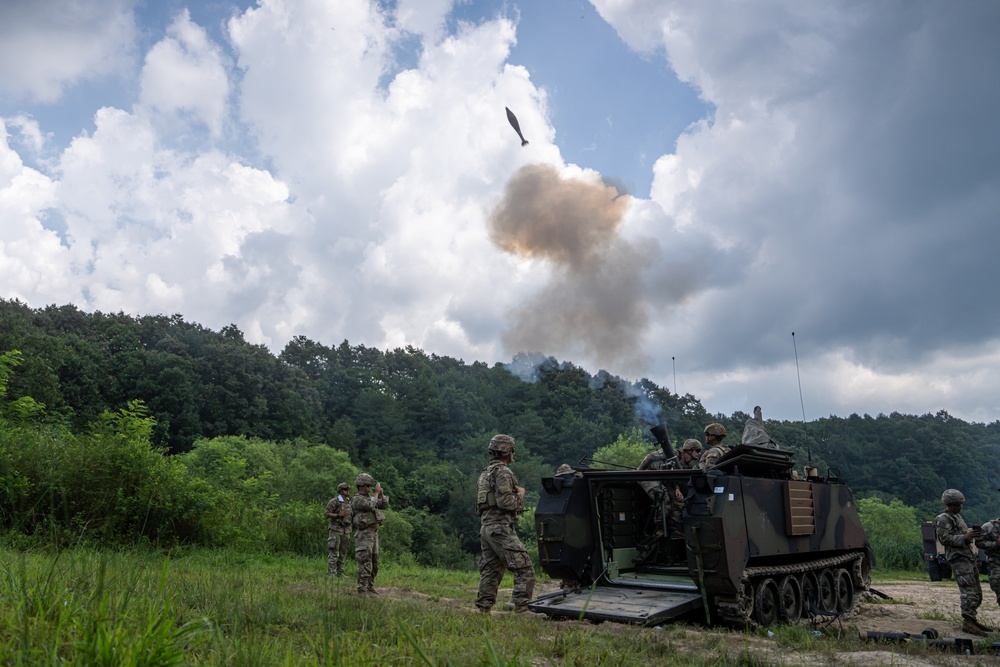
{"points": [[367, 517], [989, 541], [338, 517], [955, 535], [714, 433], [499, 501], [670, 502]]}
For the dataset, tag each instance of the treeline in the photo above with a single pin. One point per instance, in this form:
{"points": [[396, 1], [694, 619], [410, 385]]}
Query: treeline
{"points": [[420, 423]]}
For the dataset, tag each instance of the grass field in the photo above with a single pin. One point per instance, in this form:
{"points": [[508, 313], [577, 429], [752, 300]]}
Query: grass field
{"points": [[87, 607]]}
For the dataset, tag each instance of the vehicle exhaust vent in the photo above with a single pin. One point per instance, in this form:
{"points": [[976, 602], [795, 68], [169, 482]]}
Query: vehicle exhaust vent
{"points": [[800, 513]]}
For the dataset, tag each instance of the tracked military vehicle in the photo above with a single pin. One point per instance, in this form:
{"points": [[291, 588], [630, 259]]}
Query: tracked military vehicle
{"points": [[759, 546]]}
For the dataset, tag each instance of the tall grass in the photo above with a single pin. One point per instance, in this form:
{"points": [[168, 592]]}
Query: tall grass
{"points": [[83, 606]]}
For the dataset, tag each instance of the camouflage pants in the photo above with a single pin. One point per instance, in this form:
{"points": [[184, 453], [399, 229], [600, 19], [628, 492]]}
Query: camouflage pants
{"points": [[969, 589], [995, 581], [336, 546], [675, 519], [501, 551], [366, 552]]}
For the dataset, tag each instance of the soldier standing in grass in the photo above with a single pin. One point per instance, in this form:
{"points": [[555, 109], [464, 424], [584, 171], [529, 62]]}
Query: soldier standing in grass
{"points": [[338, 518], [499, 501], [989, 541], [956, 536], [367, 516]]}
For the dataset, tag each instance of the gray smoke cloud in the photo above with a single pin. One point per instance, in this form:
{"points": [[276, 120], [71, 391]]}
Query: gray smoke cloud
{"points": [[593, 306]]}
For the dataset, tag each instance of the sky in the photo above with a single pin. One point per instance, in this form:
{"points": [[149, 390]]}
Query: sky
{"points": [[785, 204]]}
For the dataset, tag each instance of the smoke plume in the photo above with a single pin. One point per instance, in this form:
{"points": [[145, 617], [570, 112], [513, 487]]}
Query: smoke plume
{"points": [[593, 306]]}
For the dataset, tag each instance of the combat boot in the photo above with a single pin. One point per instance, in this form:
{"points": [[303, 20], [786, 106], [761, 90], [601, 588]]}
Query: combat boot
{"points": [[983, 626], [970, 626]]}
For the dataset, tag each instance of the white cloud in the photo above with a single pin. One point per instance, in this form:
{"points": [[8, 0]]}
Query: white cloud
{"points": [[33, 264], [47, 46], [185, 73], [845, 188]]}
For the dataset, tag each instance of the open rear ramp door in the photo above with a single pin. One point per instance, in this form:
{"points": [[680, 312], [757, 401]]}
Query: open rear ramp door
{"points": [[621, 604]]}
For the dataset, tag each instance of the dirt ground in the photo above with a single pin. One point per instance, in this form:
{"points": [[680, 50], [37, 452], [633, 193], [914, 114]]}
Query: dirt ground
{"points": [[915, 606]]}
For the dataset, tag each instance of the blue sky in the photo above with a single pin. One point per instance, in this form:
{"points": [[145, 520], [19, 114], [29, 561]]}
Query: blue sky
{"points": [[342, 169]]}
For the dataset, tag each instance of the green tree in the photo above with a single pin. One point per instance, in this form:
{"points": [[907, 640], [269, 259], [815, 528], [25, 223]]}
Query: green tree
{"points": [[627, 451], [893, 532]]}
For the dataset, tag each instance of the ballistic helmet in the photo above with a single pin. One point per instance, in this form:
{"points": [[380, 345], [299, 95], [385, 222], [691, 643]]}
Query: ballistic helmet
{"points": [[364, 479], [690, 444], [716, 429], [952, 497], [501, 444], [343, 486]]}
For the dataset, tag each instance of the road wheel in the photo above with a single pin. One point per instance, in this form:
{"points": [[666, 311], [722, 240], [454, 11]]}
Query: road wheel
{"points": [[790, 595], [827, 591], [845, 590], [810, 591], [766, 604]]}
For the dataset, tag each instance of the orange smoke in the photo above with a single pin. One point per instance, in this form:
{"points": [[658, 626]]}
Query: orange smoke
{"points": [[593, 306]]}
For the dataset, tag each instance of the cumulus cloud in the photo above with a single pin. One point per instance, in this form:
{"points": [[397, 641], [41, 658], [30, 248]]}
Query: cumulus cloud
{"points": [[845, 164], [47, 46], [185, 73], [346, 171]]}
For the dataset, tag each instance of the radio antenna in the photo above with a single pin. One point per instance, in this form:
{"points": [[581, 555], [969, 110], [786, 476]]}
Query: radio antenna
{"points": [[798, 377], [673, 360]]}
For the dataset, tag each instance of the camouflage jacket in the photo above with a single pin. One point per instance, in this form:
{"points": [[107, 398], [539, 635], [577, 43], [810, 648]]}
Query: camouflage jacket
{"points": [[338, 525], [950, 530], [366, 512], [497, 499], [712, 456], [988, 542], [657, 460]]}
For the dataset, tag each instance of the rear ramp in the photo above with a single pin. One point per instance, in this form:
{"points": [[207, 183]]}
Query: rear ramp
{"points": [[617, 603]]}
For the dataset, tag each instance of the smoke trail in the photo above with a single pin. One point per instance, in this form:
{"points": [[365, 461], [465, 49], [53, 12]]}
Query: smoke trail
{"points": [[593, 307]]}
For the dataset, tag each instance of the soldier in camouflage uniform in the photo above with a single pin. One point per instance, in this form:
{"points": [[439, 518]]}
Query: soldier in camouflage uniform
{"points": [[367, 516], [499, 501], [670, 502], [955, 535], [714, 433], [338, 517], [989, 541]]}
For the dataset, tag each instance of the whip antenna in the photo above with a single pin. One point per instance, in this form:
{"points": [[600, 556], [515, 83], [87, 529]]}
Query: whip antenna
{"points": [[798, 377], [673, 360]]}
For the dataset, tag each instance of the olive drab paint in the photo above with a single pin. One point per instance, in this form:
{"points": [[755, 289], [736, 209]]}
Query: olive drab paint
{"points": [[760, 545]]}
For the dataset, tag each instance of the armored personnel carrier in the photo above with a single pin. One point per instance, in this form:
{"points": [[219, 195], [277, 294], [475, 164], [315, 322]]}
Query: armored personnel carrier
{"points": [[760, 545]]}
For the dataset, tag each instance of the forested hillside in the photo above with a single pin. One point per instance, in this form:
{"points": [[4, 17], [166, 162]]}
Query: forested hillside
{"points": [[420, 422]]}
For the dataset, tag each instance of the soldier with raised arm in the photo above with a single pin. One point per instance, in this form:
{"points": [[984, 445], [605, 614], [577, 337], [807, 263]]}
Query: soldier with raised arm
{"points": [[367, 517]]}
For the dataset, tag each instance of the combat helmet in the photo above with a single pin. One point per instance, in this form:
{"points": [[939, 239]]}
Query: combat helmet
{"points": [[364, 479], [690, 444], [716, 430], [501, 445], [343, 486], [952, 497]]}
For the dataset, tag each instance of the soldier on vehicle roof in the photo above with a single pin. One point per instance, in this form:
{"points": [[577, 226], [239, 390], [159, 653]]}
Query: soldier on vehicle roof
{"points": [[714, 449]]}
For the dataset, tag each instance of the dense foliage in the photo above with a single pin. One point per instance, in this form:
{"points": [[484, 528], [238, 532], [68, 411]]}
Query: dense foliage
{"points": [[153, 428]]}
